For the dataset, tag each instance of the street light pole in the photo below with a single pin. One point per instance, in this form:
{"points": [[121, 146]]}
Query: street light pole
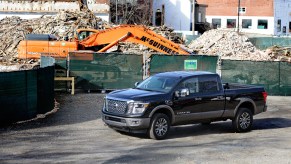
{"points": [[238, 10]]}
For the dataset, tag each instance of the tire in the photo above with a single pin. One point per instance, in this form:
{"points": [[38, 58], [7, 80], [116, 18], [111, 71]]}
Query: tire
{"points": [[160, 126], [243, 120]]}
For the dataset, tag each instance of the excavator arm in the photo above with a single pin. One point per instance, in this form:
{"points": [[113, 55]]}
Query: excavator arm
{"points": [[135, 34], [90, 39]]}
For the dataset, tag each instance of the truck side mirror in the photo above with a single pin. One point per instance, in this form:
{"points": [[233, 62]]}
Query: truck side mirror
{"points": [[182, 92]]}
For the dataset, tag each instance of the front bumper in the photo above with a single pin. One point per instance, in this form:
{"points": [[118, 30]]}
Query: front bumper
{"points": [[126, 124]]}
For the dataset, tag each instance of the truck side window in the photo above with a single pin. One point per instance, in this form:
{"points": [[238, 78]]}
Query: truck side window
{"points": [[191, 84], [208, 84]]}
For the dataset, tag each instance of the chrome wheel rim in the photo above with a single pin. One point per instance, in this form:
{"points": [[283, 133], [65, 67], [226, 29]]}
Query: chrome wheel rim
{"points": [[161, 127], [245, 120]]}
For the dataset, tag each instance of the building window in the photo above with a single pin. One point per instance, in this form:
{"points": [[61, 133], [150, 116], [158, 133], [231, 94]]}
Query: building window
{"points": [[262, 24], [216, 23], [158, 20], [246, 23], [242, 10], [279, 25], [231, 23]]}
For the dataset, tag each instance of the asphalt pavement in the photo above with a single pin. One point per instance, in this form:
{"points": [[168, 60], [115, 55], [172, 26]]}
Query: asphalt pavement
{"points": [[75, 133]]}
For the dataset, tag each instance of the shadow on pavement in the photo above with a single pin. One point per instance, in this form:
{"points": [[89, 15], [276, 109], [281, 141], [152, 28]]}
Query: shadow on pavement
{"points": [[220, 127]]}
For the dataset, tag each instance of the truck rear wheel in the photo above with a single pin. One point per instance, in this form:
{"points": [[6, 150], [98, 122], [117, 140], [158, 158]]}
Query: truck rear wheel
{"points": [[243, 120], [160, 126]]}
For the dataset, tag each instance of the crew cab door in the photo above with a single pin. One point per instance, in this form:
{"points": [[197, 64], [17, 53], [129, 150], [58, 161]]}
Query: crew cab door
{"points": [[205, 100]]}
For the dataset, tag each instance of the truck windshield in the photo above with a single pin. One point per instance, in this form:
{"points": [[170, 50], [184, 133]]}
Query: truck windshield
{"points": [[156, 83]]}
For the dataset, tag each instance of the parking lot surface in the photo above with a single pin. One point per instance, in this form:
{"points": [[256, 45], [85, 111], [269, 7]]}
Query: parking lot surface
{"points": [[75, 133]]}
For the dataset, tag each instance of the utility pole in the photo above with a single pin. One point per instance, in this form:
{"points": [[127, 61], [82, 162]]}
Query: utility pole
{"points": [[238, 10], [193, 16], [116, 19]]}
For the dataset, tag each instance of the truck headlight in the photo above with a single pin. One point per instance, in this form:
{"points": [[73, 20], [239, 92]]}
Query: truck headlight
{"points": [[137, 108]]}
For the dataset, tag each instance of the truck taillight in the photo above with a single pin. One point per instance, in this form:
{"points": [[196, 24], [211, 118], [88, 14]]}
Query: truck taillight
{"points": [[265, 95]]}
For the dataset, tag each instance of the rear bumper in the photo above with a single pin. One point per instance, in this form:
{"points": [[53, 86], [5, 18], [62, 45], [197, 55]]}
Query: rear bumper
{"points": [[134, 125]]}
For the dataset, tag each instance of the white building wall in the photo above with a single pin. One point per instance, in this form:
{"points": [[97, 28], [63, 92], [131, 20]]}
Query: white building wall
{"points": [[252, 29], [177, 13], [282, 11]]}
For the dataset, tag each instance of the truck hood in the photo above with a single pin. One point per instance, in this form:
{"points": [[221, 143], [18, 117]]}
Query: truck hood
{"points": [[136, 94]]}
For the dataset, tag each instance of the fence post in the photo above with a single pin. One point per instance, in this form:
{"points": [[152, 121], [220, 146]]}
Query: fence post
{"points": [[280, 77]]}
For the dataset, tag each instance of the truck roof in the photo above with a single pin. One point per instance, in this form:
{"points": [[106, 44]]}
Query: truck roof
{"points": [[184, 73]]}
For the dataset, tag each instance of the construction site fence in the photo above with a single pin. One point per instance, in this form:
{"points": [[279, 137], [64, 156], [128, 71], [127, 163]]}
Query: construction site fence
{"points": [[163, 63], [274, 76], [263, 43], [24, 94], [110, 71], [101, 71]]}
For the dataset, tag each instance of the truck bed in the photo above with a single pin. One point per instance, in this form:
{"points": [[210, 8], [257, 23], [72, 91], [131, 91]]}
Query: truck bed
{"points": [[238, 89]]}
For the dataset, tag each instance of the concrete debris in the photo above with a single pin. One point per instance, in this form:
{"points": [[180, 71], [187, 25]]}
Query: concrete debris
{"points": [[168, 33], [62, 25], [278, 53], [18, 67], [234, 46]]}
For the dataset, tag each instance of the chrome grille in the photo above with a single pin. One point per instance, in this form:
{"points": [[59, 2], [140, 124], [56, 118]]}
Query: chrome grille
{"points": [[116, 106]]}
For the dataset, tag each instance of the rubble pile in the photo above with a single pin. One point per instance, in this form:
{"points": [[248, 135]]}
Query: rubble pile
{"points": [[279, 53], [168, 33], [63, 25], [229, 45]]}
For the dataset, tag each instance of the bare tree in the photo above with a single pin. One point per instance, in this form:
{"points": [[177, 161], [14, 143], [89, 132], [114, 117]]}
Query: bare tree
{"points": [[137, 12]]}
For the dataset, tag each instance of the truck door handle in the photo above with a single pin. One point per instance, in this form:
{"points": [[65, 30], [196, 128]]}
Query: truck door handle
{"points": [[197, 98]]}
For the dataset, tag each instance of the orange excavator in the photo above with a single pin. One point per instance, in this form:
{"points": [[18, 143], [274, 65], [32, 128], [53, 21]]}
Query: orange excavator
{"points": [[36, 45]]}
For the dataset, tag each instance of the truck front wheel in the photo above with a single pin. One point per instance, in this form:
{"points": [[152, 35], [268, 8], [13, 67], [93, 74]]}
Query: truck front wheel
{"points": [[160, 126], [243, 120]]}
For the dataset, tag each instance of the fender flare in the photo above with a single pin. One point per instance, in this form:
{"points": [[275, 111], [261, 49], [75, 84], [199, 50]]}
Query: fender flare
{"points": [[163, 107], [243, 100]]}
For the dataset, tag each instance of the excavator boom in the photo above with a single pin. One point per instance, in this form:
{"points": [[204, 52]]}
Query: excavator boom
{"points": [[134, 34], [95, 40]]}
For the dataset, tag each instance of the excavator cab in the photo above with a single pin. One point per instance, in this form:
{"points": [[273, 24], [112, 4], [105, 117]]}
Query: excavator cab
{"points": [[84, 33]]}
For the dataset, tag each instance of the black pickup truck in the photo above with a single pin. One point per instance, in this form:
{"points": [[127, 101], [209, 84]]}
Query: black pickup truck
{"points": [[179, 98]]}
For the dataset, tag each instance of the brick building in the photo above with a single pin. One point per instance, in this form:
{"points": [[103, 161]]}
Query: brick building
{"points": [[271, 17]]}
